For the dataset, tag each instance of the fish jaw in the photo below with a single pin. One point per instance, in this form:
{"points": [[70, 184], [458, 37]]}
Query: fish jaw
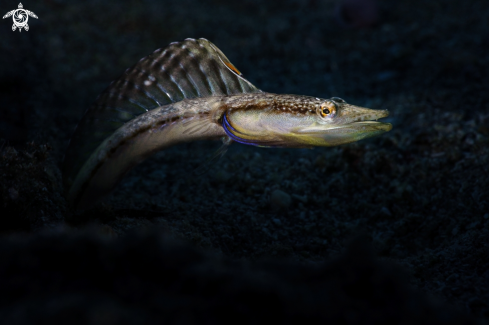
{"points": [[353, 123], [340, 134]]}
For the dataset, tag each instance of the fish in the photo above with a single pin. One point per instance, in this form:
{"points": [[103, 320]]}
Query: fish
{"points": [[190, 91]]}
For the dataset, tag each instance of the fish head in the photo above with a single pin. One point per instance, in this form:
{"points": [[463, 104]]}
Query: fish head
{"points": [[301, 122]]}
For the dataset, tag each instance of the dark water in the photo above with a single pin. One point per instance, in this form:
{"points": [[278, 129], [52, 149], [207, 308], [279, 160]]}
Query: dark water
{"points": [[366, 232]]}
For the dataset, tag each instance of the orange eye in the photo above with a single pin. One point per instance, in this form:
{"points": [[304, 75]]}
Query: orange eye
{"points": [[327, 109]]}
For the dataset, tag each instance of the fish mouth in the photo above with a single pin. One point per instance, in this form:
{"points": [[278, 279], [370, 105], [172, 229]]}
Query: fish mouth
{"points": [[363, 119], [368, 121], [369, 126], [352, 127]]}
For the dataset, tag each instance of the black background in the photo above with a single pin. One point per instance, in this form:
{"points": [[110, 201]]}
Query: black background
{"points": [[222, 247]]}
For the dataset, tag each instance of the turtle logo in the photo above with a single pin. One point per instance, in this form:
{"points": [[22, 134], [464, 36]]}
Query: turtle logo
{"points": [[20, 17]]}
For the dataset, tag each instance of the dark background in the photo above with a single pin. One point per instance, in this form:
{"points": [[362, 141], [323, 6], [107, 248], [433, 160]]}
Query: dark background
{"points": [[388, 229]]}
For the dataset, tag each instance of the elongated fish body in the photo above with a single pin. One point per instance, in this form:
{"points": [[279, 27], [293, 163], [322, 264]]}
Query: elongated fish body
{"points": [[190, 91]]}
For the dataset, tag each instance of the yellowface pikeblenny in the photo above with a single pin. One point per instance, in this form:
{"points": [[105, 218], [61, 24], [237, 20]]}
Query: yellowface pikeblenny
{"points": [[190, 91]]}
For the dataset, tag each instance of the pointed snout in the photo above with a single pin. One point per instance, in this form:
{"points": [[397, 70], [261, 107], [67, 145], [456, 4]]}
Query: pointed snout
{"points": [[351, 113], [353, 123]]}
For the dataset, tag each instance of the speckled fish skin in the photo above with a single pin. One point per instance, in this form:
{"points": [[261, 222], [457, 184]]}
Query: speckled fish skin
{"points": [[190, 91]]}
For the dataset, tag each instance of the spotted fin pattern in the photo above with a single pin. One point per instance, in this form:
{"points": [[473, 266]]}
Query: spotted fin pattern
{"points": [[183, 70]]}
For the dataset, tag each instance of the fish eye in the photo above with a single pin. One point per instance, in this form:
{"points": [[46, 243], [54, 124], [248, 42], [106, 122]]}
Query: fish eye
{"points": [[327, 109], [338, 100]]}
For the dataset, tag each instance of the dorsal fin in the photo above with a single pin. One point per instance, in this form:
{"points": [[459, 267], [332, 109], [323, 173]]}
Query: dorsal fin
{"points": [[188, 69]]}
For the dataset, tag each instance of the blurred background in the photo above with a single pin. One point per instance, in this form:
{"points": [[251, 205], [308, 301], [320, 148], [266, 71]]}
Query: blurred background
{"points": [[419, 193]]}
